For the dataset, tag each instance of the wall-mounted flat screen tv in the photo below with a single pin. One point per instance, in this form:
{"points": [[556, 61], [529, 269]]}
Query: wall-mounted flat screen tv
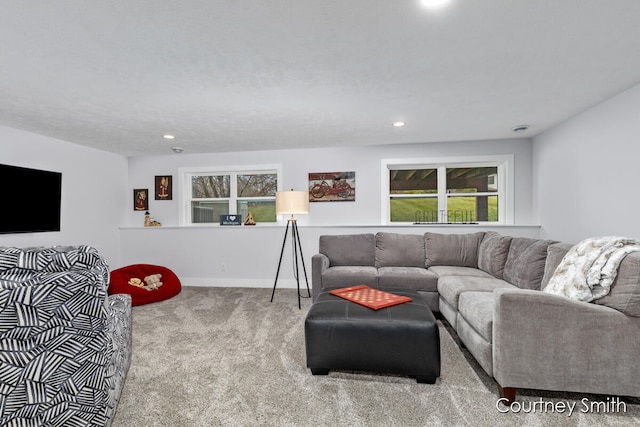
{"points": [[30, 200]]}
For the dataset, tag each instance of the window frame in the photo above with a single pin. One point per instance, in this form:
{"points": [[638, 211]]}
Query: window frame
{"points": [[185, 194], [505, 180]]}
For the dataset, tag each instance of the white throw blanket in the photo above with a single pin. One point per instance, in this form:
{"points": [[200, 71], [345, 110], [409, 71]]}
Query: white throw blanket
{"points": [[588, 270]]}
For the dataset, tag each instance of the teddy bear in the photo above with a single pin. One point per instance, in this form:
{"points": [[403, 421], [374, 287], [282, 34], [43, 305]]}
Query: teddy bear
{"points": [[153, 281], [134, 281]]}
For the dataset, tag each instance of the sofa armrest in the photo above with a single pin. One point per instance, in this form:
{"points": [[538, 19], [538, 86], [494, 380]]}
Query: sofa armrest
{"points": [[319, 263], [119, 323], [549, 342]]}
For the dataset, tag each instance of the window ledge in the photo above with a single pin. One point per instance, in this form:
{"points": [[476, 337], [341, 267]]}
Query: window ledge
{"points": [[390, 226]]}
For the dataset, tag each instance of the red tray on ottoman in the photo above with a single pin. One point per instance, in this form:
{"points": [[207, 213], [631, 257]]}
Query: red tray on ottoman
{"points": [[370, 297]]}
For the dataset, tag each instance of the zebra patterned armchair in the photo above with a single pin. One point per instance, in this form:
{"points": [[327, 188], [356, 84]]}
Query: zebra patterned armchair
{"points": [[65, 346]]}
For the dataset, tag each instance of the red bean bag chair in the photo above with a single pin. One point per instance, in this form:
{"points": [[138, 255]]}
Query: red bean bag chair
{"points": [[145, 283]]}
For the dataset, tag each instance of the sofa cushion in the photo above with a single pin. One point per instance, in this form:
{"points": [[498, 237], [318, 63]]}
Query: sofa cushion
{"points": [[555, 253], [525, 263], [447, 270], [624, 295], [450, 287], [493, 252], [477, 310], [480, 348], [343, 276], [399, 250], [349, 249], [415, 278], [452, 249]]}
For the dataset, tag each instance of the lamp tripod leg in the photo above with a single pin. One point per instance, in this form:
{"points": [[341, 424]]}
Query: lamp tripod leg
{"points": [[284, 242], [304, 268], [294, 232]]}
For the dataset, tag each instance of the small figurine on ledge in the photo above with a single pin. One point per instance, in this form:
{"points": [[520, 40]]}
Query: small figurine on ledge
{"points": [[250, 220], [148, 222]]}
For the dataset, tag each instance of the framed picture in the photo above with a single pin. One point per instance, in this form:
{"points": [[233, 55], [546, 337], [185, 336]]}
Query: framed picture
{"points": [[332, 187], [141, 199], [163, 187]]}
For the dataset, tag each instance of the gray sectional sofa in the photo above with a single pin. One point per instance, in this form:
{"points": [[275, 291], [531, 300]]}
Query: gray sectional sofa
{"points": [[488, 287], [65, 346]]}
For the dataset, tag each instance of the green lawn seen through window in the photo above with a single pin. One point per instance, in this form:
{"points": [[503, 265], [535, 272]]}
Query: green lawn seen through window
{"points": [[426, 209]]}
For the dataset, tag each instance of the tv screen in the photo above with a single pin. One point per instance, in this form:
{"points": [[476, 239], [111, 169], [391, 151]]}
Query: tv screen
{"points": [[31, 200]]}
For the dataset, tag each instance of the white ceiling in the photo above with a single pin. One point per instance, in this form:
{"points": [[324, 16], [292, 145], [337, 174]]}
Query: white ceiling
{"points": [[236, 75]]}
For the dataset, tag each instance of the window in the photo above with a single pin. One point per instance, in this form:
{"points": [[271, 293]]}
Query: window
{"points": [[469, 198], [447, 191], [229, 192], [412, 191]]}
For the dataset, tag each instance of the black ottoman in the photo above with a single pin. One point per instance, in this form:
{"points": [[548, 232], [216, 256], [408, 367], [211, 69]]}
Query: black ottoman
{"points": [[402, 339]]}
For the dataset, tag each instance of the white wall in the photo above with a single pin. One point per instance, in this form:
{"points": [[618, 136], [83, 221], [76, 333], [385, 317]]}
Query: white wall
{"points": [[249, 255], [94, 185], [586, 173]]}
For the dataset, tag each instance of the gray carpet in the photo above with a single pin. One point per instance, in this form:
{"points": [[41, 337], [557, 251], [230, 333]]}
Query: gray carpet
{"points": [[229, 357]]}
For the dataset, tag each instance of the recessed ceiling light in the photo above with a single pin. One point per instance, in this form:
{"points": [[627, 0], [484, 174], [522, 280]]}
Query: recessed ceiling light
{"points": [[433, 3], [177, 149], [167, 136], [520, 128], [398, 124]]}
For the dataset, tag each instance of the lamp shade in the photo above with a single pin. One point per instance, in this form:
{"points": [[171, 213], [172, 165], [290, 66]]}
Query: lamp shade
{"points": [[292, 202]]}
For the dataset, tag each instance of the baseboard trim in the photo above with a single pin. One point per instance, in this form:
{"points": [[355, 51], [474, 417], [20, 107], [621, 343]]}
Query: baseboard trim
{"points": [[240, 283]]}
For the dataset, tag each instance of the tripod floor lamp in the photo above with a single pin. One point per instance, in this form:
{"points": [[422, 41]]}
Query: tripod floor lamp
{"points": [[292, 203]]}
